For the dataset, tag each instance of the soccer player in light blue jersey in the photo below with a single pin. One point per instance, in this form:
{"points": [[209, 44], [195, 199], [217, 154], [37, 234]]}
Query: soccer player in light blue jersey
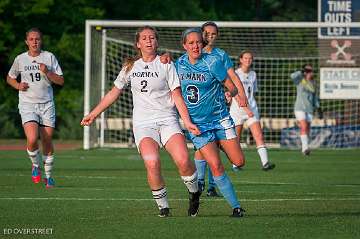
{"points": [[202, 77], [210, 33]]}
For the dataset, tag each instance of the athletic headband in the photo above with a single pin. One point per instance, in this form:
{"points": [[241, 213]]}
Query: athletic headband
{"points": [[190, 30]]}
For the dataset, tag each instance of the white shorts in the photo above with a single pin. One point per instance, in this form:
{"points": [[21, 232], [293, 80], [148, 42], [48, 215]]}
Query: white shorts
{"points": [[302, 115], [41, 113], [160, 131], [240, 116]]}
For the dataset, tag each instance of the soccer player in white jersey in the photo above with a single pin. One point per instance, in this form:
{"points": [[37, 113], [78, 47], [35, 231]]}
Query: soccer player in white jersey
{"points": [[38, 70], [306, 103], [156, 92], [240, 115]]}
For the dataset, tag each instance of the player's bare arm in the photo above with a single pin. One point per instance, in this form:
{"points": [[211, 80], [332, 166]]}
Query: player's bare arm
{"points": [[235, 79], [53, 77], [105, 102], [22, 86], [233, 92], [183, 111]]}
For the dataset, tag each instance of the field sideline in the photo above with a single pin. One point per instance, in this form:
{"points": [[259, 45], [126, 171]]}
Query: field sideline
{"points": [[103, 193]]}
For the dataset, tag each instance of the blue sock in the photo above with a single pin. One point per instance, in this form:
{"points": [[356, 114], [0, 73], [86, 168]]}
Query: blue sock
{"points": [[200, 168], [226, 188], [211, 180]]}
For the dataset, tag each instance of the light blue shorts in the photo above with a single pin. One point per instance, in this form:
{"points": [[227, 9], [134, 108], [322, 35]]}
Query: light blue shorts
{"points": [[222, 130], [41, 113]]}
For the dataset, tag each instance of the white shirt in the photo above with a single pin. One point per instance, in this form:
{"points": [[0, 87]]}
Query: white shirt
{"points": [[40, 90], [250, 86], [151, 85]]}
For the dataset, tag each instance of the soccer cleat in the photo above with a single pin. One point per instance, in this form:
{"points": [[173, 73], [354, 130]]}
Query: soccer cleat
{"points": [[306, 152], [236, 168], [49, 182], [35, 174], [268, 166], [164, 212], [194, 202], [238, 212], [211, 192]]}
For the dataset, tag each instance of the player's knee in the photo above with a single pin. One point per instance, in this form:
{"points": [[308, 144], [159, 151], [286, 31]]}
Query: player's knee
{"points": [[185, 166], [32, 143], [217, 169], [152, 162]]}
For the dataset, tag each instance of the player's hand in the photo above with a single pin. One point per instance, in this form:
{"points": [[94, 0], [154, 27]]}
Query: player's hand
{"points": [[23, 86], [242, 101], [165, 58], [192, 128], [43, 68], [248, 112], [87, 120], [228, 97]]}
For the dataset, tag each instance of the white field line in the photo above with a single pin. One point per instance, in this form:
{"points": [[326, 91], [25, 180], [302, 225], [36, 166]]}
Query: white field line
{"points": [[178, 179], [239, 191], [178, 199]]}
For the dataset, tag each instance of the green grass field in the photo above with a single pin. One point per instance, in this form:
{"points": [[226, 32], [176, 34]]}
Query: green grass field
{"points": [[104, 194]]}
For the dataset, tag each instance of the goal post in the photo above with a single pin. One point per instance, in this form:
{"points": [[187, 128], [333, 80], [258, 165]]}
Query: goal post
{"points": [[279, 49]]}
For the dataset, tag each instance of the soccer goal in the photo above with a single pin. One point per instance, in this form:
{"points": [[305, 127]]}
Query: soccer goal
{"points": [[279, 49]]}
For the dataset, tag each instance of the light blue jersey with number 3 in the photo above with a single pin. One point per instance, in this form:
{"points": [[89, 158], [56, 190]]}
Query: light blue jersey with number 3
{"points": [[202, 89]]}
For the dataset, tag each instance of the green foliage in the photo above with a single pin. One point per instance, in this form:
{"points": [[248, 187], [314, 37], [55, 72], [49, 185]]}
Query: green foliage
{"points": [[63, 24]]}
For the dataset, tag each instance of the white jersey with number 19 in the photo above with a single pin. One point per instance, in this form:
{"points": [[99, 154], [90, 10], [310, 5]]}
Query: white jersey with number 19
{"points": [[151, 85], [40, 90]]}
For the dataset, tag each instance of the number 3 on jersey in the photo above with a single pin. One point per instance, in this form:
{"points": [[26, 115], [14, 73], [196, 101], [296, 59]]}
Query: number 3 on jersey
{"points": [[192, 94]]}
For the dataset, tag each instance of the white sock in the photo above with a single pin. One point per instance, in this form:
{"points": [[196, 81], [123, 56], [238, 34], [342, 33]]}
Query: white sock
{"points": [[34, 157], [191, 182], [262, 151], [304, 142], [48, 164], [160, 197]]}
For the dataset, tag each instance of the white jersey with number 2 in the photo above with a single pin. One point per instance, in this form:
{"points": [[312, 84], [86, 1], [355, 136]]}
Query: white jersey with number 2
{"points": [[151, 85], [40, 89]]}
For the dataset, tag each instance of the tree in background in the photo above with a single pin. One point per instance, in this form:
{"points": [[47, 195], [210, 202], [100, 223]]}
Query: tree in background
{"points": [[63, 25]]}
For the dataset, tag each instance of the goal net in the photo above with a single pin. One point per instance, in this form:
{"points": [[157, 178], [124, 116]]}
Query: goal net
{"points": [[279, 49]]}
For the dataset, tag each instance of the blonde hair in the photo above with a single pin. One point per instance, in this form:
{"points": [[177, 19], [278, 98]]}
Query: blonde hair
{"points": [[129, 61]]}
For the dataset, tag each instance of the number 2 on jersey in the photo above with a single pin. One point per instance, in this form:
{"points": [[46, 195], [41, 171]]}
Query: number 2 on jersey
{"points": [[35, 76], [192, 94], [144, 84]]}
